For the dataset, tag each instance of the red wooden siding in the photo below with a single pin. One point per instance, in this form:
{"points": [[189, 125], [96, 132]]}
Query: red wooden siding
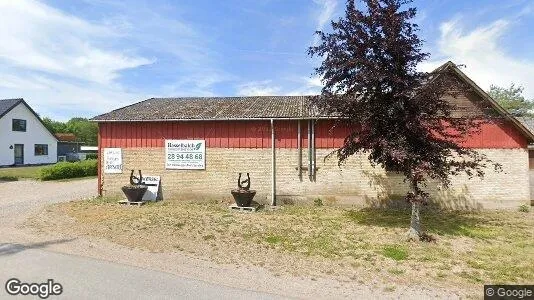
{"points": [[257, 134], [497, 135]]}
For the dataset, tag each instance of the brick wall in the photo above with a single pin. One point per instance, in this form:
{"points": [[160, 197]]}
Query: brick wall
{"points": [[356, 182]]}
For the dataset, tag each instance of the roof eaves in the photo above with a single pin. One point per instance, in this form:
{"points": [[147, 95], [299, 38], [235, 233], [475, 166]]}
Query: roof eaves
{"points": [[39, 118], [121, 108], [221, 119]]}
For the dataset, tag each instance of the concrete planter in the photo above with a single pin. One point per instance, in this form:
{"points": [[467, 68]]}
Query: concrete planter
{"points": [[134, 193]]}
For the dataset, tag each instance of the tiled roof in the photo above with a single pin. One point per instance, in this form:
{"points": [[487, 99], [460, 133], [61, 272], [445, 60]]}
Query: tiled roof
{"points": [[215, 108], [7, 104], [528, 122]]}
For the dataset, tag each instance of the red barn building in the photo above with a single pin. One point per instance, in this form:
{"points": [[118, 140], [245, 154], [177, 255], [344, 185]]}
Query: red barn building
{"points": [[282, 142]]}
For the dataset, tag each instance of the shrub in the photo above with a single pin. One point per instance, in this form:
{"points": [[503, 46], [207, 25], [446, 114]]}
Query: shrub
{"points": [[91, 156], [8, 178], [64, 170], [524, 208]]}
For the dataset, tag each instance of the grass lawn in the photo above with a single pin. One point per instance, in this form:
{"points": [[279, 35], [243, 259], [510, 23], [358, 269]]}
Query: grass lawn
{"points": [[471, 248], [16, 173]]}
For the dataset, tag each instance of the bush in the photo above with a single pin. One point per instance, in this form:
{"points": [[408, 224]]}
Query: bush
{"points": [[91, 156], [524, 208], [64, 170]]}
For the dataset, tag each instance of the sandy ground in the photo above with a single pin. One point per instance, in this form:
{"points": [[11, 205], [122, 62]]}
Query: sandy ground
{"points": [[22, 199]]}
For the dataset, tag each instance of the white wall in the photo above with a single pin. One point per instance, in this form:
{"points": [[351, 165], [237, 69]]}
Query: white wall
{"points": [[35, 133]]}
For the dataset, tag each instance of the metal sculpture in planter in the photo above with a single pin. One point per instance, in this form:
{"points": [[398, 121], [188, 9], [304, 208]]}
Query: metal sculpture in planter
{"points": [[243, 195], [136, 189]]}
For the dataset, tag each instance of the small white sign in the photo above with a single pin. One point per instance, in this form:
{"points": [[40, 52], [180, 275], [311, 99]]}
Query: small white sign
{"points": [[112, 160], [185, 154], [152, 182]]}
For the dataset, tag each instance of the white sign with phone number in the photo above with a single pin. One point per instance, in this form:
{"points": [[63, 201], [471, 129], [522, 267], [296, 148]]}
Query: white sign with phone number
{"points": [[185, 154]]}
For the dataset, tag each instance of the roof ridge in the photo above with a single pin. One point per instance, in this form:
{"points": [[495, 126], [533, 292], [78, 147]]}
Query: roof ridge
{"points": [[225, 97], [11, 99], [213, 108]]}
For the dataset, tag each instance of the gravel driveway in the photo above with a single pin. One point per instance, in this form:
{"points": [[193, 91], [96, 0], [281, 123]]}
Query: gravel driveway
{"points": [[102, 278], [19, 199]]}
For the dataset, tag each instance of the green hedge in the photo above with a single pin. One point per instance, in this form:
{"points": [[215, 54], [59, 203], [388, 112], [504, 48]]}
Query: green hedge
{"points": [[64, 170], [91, 156]]}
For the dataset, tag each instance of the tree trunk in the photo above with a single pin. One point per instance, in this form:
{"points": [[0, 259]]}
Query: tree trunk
{"points": [[414, 233]]}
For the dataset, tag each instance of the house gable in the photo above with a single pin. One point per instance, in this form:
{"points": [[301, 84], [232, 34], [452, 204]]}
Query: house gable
{"points": [[36, 133], [478, 102], [6, 105]]}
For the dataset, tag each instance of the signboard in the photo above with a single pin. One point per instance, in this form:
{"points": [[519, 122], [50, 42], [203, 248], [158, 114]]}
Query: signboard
{"points": [[152, 182], [112, 160], [185, 154]]}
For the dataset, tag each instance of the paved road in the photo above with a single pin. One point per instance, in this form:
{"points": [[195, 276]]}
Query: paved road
{"points": [[83, 277], [86, 278]]}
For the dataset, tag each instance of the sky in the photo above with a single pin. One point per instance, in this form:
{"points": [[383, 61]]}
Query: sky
{"points": [[81, 58]]}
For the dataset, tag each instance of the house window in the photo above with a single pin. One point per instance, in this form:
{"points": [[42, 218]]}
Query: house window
{"points": [[19, 125], [41, 149]]}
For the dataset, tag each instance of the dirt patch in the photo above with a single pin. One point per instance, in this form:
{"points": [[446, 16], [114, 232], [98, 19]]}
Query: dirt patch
{"points": [[317, 242]]}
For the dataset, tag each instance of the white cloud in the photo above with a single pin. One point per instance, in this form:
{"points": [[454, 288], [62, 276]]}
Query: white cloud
{"points": [[484, 55], [298, 86], [258, 88], [61, 99], [67, 66], [327, 10], [307, 86], [328, 7], [38, 37]]}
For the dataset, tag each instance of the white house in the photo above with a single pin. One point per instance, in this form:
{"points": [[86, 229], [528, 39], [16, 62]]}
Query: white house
{"points": [[24, 139]]}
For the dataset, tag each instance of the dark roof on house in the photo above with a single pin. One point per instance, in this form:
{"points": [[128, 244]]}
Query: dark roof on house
{"points": [[7, 105], [216, 108]]}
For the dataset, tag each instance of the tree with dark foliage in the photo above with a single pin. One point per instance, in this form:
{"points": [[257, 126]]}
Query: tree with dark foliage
{"points": [[400, 117]]}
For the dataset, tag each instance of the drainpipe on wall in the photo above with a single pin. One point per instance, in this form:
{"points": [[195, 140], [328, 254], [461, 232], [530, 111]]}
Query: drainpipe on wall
{"points": [[299, 146], [309, 150], [312, 149], [99, 163], [273, 166]]}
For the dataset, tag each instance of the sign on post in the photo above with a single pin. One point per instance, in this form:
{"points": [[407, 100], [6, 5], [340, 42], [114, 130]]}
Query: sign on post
{"points": [[185, 154], [112, 160]]}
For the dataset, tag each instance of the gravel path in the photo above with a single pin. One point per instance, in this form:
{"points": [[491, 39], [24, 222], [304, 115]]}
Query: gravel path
{"points": [[22, 199], [19, 199]]}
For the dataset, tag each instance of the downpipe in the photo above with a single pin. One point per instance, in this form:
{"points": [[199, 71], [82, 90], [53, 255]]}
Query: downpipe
{"points": [[273, 166], [312, 150], [299, 146], [309, 151]]}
